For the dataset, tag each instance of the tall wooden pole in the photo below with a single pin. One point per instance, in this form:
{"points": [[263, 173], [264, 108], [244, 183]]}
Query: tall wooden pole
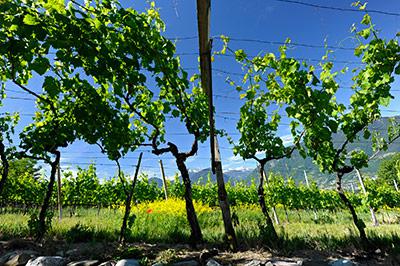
{"points": [[59, 192], [205, 45], [164, 179], [373, 216]]}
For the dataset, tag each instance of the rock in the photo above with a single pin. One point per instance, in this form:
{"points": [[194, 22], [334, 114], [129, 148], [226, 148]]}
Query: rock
{"points": [[287, 263], [256, 263], [19, 259], [342, 262], [84, 263], [6, 257], [299, 262], [207, 254], [186, 263], [47, 261], [378, 251], [158, 264], [268, 264], [129, 262], [108, 263], [212, 262]]}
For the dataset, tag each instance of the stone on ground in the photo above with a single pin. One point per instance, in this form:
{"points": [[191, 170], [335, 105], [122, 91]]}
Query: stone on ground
{"points": [[128, 262], [212, 262], [84, 263], [186, 263], [47, 261]]}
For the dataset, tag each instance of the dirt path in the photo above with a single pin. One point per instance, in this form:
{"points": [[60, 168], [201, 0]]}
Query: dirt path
{"points": [[108, 251]]}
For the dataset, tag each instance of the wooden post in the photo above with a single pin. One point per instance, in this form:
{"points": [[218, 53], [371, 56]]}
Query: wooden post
{"points": [[205, 44], [395, 185], [306, 178], [164, 180], [129, 195], [59, 192], [223, 201], [276, 218], [373, 216], [308, 185]]}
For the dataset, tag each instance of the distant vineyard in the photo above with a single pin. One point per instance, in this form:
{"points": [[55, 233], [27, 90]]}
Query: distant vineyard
{"points": [[87, 190]]}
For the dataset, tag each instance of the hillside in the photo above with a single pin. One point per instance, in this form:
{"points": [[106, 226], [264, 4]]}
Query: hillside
{"points": [[296, 165]]}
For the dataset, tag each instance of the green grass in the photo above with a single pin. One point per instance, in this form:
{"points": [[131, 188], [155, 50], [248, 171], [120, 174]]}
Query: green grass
{"points": [[332, 231]]}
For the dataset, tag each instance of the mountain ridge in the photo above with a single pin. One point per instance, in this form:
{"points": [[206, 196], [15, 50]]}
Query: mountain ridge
{"points": [[296, 166]]}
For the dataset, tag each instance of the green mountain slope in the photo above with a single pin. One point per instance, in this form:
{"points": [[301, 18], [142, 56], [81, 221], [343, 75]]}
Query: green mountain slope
{"points": [[296, 165]]}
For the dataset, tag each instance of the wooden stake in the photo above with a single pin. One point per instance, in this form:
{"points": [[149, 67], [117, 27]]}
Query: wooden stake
{"points": [[129, 196], [306, 178], [59, 192], [308, 185], [164, 180], [223, 201], [371, 210], [395, 185]]}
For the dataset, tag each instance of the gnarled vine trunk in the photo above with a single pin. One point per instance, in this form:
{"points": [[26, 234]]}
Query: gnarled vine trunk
{"points": [[195, 231], [41, 230], [263, 206], [357, 221], [5, 166]]}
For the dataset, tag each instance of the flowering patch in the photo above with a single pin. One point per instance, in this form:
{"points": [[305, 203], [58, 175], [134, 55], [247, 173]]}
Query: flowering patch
{"points": [[171, 206]]}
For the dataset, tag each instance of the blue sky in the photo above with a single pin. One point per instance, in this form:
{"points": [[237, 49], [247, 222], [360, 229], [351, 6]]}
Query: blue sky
{"points": [[266, 20]]}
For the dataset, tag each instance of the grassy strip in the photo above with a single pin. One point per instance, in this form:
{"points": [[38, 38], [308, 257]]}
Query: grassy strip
{"points": [[165, 222]]}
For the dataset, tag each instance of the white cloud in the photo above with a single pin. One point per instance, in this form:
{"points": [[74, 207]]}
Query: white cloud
{"points": [[287, 140], [239, 168], [195, 170], [235, 158], [238, 165]]}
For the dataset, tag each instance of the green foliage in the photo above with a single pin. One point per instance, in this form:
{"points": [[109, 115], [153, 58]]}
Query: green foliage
{"points": [[387, 171], [380, 195], [82, 189], [87, 190], [25, 186], [7, 125], [310, 100], [35, 228]]}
